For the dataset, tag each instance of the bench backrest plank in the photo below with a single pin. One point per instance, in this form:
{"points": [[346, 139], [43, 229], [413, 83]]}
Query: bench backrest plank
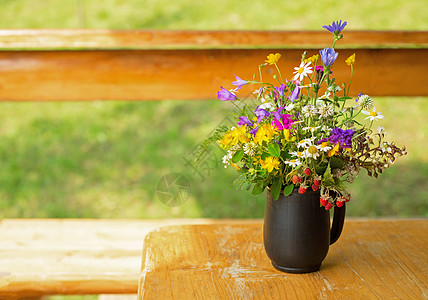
{"points": [[109, 65]]}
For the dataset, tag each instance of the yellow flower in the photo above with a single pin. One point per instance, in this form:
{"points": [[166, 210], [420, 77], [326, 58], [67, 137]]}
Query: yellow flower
{"points": [[350, 60], [334, 151], [265, 133], [226, 140], [287, 134], [312, 59], [270, 163], [273, 58], [239, 134]]}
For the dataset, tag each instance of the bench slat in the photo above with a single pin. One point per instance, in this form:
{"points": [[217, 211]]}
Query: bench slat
{"points": [[189, 74], [149, 39], [52, 256]]}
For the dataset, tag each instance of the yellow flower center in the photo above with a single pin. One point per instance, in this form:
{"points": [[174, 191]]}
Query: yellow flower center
{"points": [[301, 69], [312, 150], [373, 114]]}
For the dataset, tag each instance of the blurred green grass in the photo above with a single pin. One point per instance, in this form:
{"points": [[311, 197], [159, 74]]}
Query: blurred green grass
{"points": [[104, 159]]}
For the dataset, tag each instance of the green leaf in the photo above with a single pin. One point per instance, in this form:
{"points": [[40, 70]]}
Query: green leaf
{"points": [[237, 156], [339, 184], [274, 149], [327, 178], [264, 155], [275, 189], [258, 189], [288, 189], [336, 163]]}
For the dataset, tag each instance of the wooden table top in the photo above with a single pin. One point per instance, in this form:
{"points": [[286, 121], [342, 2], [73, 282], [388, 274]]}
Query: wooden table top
{"points": [[373, 259]]}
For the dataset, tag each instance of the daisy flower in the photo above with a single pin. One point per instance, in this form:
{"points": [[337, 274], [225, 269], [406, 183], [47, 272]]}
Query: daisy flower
{"points": [[373, 115], [312, 151], [289, 107], [324, 146], [303, 70], [305, 143], [293, 162], [311, 128], [298, 154]]}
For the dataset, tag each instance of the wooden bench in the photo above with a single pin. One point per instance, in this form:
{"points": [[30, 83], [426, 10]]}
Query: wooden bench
{"points": [[373, 259], [41, 257], [66, 256]]}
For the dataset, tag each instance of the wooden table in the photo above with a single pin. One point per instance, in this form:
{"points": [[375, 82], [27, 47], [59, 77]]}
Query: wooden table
{"points": [[373, 259]]}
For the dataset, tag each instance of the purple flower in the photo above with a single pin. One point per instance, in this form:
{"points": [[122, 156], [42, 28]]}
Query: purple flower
{"points": [[336, 27], [282, 121], [244, 120], [225, 95], [328, 56], [261, 113], [343, 137], [280, 90], [239, 82], [295, 93], [254, 131]]}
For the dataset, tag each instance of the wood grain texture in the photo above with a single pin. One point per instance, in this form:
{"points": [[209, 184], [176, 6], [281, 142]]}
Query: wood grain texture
{"points": [[189, 74], [158, 39], [372, 260], [54, 256]]}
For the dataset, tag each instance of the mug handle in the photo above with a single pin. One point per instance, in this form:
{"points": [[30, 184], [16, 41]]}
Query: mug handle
{"points": [[337, 226]]}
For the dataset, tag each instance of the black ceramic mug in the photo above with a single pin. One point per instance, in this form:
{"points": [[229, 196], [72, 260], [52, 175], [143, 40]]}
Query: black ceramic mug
{"points": [[297, 232]]}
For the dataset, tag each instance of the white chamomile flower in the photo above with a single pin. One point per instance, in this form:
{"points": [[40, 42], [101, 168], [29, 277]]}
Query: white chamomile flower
{"points": [[373, 115], [324, 146], [305, 143], [312, 151], [299, 154], [302, 71], [311, 128], [293, 162], [325, 96]]}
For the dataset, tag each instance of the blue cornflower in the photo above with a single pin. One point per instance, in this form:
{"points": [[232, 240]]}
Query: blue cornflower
{"points": [[336, 27], [328, 56]]}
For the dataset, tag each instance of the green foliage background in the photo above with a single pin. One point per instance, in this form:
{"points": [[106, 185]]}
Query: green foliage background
{"points": [[105, 159]]}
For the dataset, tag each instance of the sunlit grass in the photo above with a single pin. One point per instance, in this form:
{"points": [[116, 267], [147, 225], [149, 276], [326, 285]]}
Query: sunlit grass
{"points": [[104, 159]]}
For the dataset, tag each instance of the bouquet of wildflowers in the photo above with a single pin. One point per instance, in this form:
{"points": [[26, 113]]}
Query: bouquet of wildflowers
{"points": [[302, 133]]}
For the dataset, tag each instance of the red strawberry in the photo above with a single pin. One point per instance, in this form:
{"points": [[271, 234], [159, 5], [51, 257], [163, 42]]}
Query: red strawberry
{"points": [[317, 182], [346, 199], [323, 202], [328, 206], [302, 190], [295, 179], [315, 187], [307, 171], [339, 203]]}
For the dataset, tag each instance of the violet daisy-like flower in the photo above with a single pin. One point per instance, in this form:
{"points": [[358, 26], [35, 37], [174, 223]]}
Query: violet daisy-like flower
{"points": [[225, 95], [343, 137], [336, 27], [328, 56], [239, 82]]}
